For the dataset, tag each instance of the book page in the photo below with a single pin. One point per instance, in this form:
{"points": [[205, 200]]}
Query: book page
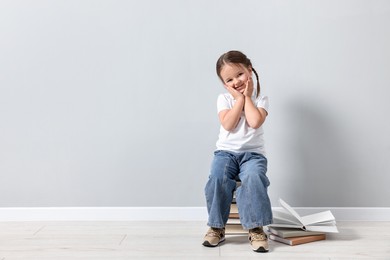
{"points": [[328, 229], [291, 210], [287, 226], [321, 217], [284, 217]]}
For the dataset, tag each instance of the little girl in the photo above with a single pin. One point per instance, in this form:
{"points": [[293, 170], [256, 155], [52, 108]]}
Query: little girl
{"points": [[239, 155]]}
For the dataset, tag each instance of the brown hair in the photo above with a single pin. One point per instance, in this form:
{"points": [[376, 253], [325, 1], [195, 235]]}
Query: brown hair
{"points": [[236, 57]]}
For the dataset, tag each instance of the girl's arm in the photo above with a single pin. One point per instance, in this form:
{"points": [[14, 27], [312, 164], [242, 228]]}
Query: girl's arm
{"points": [[229, 118], [254, 116]]}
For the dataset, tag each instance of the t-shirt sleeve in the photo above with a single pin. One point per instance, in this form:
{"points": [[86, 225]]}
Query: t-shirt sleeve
{"points": [[263, 102], [222, 103]]}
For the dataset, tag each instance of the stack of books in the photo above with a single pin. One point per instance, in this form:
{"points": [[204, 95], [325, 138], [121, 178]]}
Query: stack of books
{"points": [[233, 225], [293, 236], [292, 229]]}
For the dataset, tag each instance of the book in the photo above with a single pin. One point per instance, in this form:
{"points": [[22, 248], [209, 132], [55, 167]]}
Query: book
{"points": [[233, 208], [235, 229], [291, 232], [234, 216], [293, 241], [319, 222], [233, 221]]}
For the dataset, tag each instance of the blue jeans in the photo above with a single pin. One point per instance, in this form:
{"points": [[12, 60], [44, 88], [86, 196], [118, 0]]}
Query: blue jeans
{"points": [[253, 203]]}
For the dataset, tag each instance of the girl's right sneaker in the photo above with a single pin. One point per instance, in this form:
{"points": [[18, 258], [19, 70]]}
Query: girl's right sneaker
{"points": [[214, 237]]}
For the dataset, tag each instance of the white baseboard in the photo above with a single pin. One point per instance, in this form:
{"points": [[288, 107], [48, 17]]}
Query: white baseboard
{"points": [[351, 213], [103, 214], [164, 213]]}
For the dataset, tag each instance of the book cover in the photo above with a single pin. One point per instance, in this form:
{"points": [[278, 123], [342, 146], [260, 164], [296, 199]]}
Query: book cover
{"points": [[291, 232], [293, 241], [234, 215]]}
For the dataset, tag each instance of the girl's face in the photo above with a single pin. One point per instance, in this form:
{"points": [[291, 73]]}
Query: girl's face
{"points": [[235, 76]]}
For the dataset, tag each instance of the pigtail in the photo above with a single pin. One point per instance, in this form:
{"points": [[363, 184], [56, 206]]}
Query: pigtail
{"points": [[258, 82]]}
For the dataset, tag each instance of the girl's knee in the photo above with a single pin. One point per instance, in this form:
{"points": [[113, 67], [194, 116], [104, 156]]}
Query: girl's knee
{"points": [[256, 178]]}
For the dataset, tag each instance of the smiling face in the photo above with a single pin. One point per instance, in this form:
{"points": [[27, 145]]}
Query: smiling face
{"points": [[235, 76]]}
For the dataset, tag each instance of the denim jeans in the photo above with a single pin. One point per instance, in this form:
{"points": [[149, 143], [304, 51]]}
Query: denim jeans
{"points": [[252, 199]]}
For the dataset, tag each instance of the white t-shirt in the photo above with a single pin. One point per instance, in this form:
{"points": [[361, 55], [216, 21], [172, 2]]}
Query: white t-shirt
{"points": [[243, 138]]}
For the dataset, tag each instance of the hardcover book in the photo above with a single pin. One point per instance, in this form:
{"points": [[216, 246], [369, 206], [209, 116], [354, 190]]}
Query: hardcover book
{"points": [[291, 232], [319, 222], [293, 241]]}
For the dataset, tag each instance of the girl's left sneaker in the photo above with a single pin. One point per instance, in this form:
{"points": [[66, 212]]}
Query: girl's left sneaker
{"points": [[258, 240]]}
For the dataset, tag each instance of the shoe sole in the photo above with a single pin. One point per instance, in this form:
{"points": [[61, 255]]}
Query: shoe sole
{"points": [[207, 243], [261, 250]]}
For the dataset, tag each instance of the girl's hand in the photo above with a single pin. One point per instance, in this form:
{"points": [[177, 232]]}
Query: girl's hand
{"points": [[236, 94], [249, 88]]}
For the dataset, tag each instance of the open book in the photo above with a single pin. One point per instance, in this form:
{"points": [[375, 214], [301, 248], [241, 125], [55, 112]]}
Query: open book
{"points": [[288, 217]]}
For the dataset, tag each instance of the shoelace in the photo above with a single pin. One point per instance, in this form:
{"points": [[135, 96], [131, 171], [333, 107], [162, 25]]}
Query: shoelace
{"points": [[214, 232], [257, 234]]}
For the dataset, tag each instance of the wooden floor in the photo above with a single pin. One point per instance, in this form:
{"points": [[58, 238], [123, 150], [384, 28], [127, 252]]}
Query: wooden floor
{"points": [[176, 240]]}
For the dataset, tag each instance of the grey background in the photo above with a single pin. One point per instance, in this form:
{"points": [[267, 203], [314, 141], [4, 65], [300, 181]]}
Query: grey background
{"points": [[113, 103]]}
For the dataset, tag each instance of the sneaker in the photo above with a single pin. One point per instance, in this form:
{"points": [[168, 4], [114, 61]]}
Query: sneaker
{"points": [[258, 240], [214, 237]]}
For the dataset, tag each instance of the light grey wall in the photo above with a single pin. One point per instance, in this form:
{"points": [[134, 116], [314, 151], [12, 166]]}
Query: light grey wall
{"points": [[113, 103]]}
